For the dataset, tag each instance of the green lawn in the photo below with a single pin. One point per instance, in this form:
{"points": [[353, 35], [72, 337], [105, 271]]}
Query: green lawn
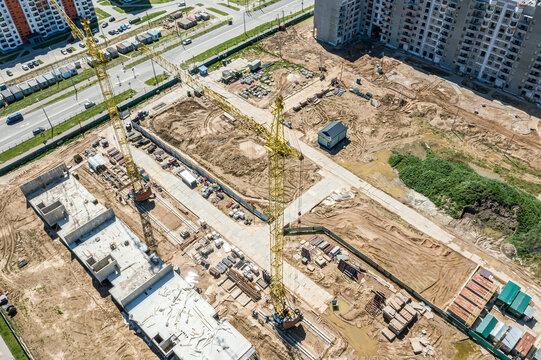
{"points": [[43, 94], [199, 4], [40, 61], [150, 16], [229, 6], [236, 40], [219, 12], [160, 1], [265, 5], [11, 341], [159, 77], [105, 3], [102, 14], [455, 188], [60, 128], [119, 9]]}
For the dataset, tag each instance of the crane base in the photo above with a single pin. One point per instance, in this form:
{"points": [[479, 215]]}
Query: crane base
{"points": [[288, 322], [143, 195]]}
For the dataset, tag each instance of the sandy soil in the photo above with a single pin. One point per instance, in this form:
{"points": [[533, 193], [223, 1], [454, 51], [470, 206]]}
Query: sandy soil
{"points": [[432, 269], [60, 308], [198, 129]]}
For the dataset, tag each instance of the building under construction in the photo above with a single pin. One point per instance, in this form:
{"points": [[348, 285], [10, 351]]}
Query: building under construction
{"points": [[174, 319]]}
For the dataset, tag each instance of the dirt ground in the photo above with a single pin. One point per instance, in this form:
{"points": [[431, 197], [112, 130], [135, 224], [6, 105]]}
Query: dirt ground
{"points": [[198, 129], [359, 331], [60, 308], [432, 269]]}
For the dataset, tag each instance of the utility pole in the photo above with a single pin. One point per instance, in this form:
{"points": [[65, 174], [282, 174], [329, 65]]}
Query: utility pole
{"points": [[148, 22], [244, 20], [133, 71], [52, 131], [341, 70], [302, 5], [119, 83], [154, 71]]}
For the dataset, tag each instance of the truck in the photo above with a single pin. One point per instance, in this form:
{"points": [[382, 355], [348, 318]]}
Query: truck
{"points": [[187, 177]]}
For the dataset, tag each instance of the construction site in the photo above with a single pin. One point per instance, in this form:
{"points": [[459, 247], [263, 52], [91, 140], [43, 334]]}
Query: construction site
{"points": [[253, 213]]}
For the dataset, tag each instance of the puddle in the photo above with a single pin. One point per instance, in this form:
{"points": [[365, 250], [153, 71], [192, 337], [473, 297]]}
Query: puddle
{"points": [[379, 173], [358, 338]]}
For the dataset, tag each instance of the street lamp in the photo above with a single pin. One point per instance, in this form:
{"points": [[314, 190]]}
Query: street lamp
{"points": [[52, 131], [119, 83], [133, 71]]}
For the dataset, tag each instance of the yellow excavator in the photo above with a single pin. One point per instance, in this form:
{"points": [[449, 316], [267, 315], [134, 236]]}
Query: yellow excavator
{"points": [[141, 191], [278, 149]]}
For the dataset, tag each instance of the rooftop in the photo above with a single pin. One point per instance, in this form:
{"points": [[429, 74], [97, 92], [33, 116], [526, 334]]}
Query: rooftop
{"points": [[509, 292], [520, 303], [179, 321], [333, 129], [486, 326]]}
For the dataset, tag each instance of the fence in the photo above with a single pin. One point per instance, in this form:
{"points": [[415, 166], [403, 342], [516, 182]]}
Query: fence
{"points": [[446, 316], [200, 171], [85, 126], [17, 337]]}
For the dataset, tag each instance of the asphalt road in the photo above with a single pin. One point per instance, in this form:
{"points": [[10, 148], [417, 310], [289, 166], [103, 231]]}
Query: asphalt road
{"points": [[122, 80]]}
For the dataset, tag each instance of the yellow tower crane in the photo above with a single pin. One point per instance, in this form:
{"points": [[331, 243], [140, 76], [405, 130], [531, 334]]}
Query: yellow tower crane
{"points": [[141, 191], [278, 149]]}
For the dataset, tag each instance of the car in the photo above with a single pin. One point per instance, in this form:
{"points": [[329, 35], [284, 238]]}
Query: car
{"points": [[112, 32], [187, 42], [111, 19], [38, 130], [82, 45], [64, 52], [35, 62], [25, 67], [104, 25], [30, 65], [96, 40], [69, 50], [9, 72], [181, 4], [120, 29], [89, 104], [135, 20]]}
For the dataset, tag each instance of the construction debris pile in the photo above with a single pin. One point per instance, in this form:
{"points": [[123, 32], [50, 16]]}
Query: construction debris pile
{"points": [[399, 313]]}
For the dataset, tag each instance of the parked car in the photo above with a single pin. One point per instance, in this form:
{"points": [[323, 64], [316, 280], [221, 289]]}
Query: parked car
{"points": [[104, 25], [38, 130], [30, 65], [113, 32], [35, 62], [96, 40], [89, 104], [181, 4], [111, 19], [64, 52], [120, 29], [25, 67], [82, 45], [187, 42], [134, 21], [69, 50], [9, 72]]}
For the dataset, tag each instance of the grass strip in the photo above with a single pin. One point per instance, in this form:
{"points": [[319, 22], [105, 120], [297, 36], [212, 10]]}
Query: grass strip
{"points": [[265, 5], [172, 46], [11, 342], [60, 128], [160, 78], [456, 188], [219, 12], [45, 93], [150, 16], [229, 6], [199, 4], [101, 14], [238, 39]]}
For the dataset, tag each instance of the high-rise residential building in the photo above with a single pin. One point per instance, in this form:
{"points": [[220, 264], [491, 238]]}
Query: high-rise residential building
{"points": [[337, 21], [32, 21], [495, 41]]}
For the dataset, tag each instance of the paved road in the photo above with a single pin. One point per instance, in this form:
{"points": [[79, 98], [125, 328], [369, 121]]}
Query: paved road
{"points": [[122, 80]]}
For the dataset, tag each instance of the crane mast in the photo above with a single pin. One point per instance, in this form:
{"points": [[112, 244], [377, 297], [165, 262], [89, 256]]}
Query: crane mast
{"points": [[141, 191], [278, 149]]}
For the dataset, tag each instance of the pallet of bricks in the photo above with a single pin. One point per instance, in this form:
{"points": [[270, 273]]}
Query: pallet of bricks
{"points": [[399, 312]]}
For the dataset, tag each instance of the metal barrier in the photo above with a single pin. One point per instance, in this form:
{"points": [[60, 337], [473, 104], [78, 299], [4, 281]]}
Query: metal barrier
{"points": [[200, 171], [446, 316], [17, 337], [87, 125]]}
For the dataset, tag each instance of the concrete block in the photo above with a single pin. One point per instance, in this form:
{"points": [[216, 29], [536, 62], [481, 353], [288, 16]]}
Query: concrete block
{"points": [[416, 346], [406, 315], [236, 293], [405, 295], [388, 313], [389, 335], [311, 267]]}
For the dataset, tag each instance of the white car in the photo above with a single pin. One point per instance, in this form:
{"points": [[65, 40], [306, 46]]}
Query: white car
{"points": [[25, 67]]}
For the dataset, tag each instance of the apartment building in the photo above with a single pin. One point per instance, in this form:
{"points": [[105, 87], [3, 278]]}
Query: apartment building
{"points": [[495, 41], [32, 21], [337, 21]]}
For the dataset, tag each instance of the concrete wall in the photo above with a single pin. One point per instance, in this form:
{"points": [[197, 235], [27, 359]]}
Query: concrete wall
{"points": [[141, 289], [105, 267], [92, 224], [43, 180], [52, 213]]}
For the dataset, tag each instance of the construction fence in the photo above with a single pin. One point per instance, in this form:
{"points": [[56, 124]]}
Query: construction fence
{"points": [[17, 337], [198, 170], [446, 316], [75, 131]]}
